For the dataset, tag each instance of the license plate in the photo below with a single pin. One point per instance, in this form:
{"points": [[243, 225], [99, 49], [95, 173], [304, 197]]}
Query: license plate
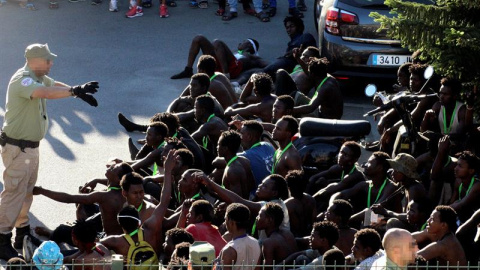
{"points": [[390, 60]]}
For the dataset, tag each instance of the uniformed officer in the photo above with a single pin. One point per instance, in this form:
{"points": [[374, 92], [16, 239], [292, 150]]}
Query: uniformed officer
{"points": [[25, 124]]}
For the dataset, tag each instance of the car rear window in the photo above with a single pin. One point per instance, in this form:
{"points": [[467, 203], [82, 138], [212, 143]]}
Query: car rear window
{"points": [[379, 4]]}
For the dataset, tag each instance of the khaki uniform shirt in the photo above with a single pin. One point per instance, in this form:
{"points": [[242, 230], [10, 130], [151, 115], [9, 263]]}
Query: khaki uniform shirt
{"points": [[25, 117]]}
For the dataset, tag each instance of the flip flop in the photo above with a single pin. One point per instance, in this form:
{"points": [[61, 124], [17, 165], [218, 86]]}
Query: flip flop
{"points": [[193, 4], [263, 16], [220, 12], [229, 16], [203, 4]]}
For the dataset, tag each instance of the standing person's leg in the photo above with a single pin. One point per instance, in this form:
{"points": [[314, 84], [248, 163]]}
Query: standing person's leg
{"points": [[233, 13], [20, 171], [199, 42], [221, 7]]}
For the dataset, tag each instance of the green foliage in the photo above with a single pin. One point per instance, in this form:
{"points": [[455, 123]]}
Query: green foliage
{"points": [[447, 34]]}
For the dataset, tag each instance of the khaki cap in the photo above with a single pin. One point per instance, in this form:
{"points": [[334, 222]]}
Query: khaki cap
{"points": [[39, 51], [405, 164]]}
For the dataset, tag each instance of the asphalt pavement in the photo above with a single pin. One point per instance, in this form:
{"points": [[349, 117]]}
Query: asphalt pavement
{"points": [[133, 60]]}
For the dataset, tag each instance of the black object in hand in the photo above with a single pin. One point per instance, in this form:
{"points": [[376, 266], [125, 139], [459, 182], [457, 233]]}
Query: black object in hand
{"points": [[89, 87], [88, 99]]}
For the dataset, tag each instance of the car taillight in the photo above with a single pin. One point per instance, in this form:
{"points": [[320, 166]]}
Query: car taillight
{"points": [[335, 17]]}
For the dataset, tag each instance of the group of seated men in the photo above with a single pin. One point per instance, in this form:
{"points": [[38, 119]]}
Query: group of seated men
{"points": [[205, 173]]}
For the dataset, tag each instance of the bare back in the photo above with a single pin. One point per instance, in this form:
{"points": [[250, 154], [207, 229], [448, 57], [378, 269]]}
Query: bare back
{"points": [[301, 212]]}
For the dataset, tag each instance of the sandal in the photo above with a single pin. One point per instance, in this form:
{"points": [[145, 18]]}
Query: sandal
{"points": [[249, 11], [220, 12], [53, 5], [229, 16], [203, 4], [263, 16], [193, 4], [171, 3]]}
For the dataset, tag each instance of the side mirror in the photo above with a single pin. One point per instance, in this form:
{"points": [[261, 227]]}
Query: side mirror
{"points": [[370, 90], [428, 72]]}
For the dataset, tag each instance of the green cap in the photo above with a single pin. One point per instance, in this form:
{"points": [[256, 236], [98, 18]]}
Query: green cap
{"points": [[39, 51]]}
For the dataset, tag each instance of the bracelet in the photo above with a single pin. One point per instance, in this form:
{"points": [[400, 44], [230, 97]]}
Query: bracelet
{"points": [[471, 108], [71, 91]]}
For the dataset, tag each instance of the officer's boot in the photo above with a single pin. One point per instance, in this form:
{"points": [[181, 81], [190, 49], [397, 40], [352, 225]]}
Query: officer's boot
{"points": [[6, 250], [20, 233]]}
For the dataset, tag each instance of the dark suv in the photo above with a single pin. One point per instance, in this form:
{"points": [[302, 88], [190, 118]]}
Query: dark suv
{"points": [[348, 37]]}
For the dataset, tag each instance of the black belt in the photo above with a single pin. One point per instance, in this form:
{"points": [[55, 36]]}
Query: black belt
{"points": [[4, 139]]}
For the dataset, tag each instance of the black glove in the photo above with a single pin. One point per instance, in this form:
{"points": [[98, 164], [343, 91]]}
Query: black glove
{"points": [[88, 99], [90, 87]]}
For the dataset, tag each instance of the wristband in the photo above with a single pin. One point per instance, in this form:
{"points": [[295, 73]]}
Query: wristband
{"points": [[71, 92], [471, 108]]}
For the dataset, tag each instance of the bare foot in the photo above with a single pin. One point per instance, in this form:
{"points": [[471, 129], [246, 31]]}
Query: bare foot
{"points": [[43, 231]]}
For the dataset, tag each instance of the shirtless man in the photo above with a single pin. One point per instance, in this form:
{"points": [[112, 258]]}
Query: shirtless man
{"points": [[465, 200], [183, 106], [327, 102], [301, 206], [261, 104], [286, 157], [229, 64], [211, 126], [280, 243], [445, 247], [90, 255], [375, 190], [299, 80], [322, 238], [237, 176], [339, 213], [220, 86], [132, 190], [152, 227], [110, 201], [338, 177]]}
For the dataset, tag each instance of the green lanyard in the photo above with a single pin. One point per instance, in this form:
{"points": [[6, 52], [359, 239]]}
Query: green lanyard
{"points": [[424, 226], [316, 91], [231, 160], [213, 77], [140, 207], [276, 157], [155, 167], [205, 138], [193, 197], [113, 188], [297, 69], [134, 232], [255, 145], [343, 173], [379, 192], [468, 190], [449, 159], [445, 129]]}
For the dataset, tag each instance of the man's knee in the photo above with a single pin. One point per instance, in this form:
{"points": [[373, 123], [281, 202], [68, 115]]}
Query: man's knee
{"points": [[200, 39]]}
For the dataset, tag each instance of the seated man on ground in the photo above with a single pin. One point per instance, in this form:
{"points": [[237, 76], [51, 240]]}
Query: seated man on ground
{"points": [[197, 217], [338, 177], [376, 190], [90, 255], [279, 242], [151, 230], [367, 248], [243, 251], [294, 27], [445, 248], [299, 79], [327, 101], [442, 176], [286, 157], [110, 202], [174, 237], [400, 250], [211, 126], [237, 176], [262, 103], [339, 213], [465, 200], [301, 206], [228, 63], [132, 190], [322, 238]]}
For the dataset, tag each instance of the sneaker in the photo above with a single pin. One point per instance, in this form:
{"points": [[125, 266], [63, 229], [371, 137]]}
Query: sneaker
{"points": [[96, 2], [134, 12], [113, 6], [164, 12], [186, 73]]}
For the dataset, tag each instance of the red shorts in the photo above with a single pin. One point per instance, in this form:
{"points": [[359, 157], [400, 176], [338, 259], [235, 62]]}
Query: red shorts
{"points": [[234, 69]]}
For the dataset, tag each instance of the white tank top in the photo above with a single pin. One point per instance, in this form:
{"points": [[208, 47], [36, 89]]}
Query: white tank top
{"points": [[455, 125]]}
